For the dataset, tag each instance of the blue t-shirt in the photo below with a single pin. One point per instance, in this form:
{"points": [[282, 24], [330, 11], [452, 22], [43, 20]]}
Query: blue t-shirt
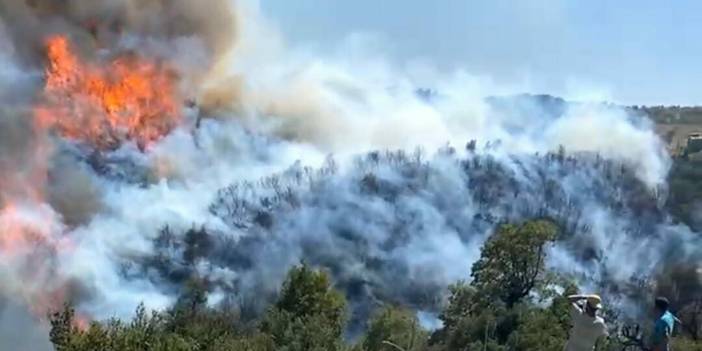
{"points": [[662, 328]]}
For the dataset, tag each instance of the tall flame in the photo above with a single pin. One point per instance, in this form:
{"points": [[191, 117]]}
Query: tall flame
{"points": [[128, 98], [95, 102]]}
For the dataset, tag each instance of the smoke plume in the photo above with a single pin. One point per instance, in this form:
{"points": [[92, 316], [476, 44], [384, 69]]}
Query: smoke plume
{"points": [[271, 155]]}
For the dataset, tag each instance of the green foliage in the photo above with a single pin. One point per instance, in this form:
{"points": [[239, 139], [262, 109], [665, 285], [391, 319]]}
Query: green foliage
{"points": [[307, 292], [684, 344], [143, 333], [394, 327], [512, 303], [685, 186], [542, 329], [460, 305], [523, 326], [491, 313], [309, 314], [672, 114], [63, 330], [512, 261], [294, 333], [207, 330]]}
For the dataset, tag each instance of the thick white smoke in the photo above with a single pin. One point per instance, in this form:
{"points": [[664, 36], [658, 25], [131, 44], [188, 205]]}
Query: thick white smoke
{"points": [[415, 217]]}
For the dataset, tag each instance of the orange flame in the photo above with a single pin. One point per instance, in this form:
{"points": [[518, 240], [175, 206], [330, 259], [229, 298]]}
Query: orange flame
{"points": [[100, 103], [130, 98], [81, 322]]}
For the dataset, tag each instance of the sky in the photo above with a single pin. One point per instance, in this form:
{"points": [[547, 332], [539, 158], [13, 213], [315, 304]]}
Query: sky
{"points": [[626, 51]]}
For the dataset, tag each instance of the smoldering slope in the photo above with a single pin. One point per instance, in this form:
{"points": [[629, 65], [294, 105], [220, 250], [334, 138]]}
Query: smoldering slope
{"points": [[391, 227]]}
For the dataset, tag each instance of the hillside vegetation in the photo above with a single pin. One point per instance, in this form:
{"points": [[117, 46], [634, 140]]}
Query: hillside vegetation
{"points": [[672, 114], [512, 303]]}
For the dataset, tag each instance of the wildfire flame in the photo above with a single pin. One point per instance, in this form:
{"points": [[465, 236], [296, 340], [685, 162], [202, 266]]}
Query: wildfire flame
{"points": [[129, 98], [99, 102]]}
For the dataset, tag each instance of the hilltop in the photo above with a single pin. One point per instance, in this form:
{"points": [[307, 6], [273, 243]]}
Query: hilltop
{"points": [[674, 124]]}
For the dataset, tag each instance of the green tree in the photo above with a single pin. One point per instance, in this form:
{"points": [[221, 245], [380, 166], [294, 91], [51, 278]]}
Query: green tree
{"points": [[189, 326], [543, 328], [145, 332], [308, 315], [511, 263], [491, 313], [63, 330], [394, 327]]}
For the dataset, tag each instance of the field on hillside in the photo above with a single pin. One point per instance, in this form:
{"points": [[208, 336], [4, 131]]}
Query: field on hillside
{"points": [[675, 134], [674, 123]]}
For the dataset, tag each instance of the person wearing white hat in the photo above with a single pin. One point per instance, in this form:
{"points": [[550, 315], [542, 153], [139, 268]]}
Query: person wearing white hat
{"points": [[587, 326]]}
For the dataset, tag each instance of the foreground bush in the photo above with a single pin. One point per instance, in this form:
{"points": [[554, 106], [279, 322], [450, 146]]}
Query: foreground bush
{"points": [[394, 327]]}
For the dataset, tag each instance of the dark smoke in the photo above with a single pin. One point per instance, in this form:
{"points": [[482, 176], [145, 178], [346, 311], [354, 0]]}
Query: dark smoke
{"points": [[196, 37], [105, 22]]}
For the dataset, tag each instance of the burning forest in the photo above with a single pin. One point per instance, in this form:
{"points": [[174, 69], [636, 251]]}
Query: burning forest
{"points": [[127, 98], [151, 151]]}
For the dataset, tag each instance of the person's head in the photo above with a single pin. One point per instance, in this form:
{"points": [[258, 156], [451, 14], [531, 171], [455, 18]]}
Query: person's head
{"points": [[661, 304], [593, 304]]}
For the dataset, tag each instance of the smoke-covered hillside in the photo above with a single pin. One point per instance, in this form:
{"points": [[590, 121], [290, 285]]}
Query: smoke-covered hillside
{"points": [[400, 227], [142, 144]]}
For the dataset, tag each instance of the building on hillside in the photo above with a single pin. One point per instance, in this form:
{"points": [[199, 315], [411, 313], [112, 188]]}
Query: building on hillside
{"points": [[694, 143]]}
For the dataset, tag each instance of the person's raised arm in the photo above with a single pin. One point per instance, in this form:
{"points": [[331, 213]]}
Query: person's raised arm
{"points": [[576, 298], [575, 309]]}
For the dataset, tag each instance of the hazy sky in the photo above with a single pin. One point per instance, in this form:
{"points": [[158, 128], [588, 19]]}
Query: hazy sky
{"points": [[637, 51]]}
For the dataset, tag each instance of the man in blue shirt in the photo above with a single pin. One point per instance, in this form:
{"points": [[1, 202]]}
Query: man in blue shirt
{"points": [[663, 326]]}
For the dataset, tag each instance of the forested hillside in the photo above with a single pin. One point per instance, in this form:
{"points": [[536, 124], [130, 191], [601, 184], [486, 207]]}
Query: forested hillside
{"points": [[513, 297], [512, 303]]}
